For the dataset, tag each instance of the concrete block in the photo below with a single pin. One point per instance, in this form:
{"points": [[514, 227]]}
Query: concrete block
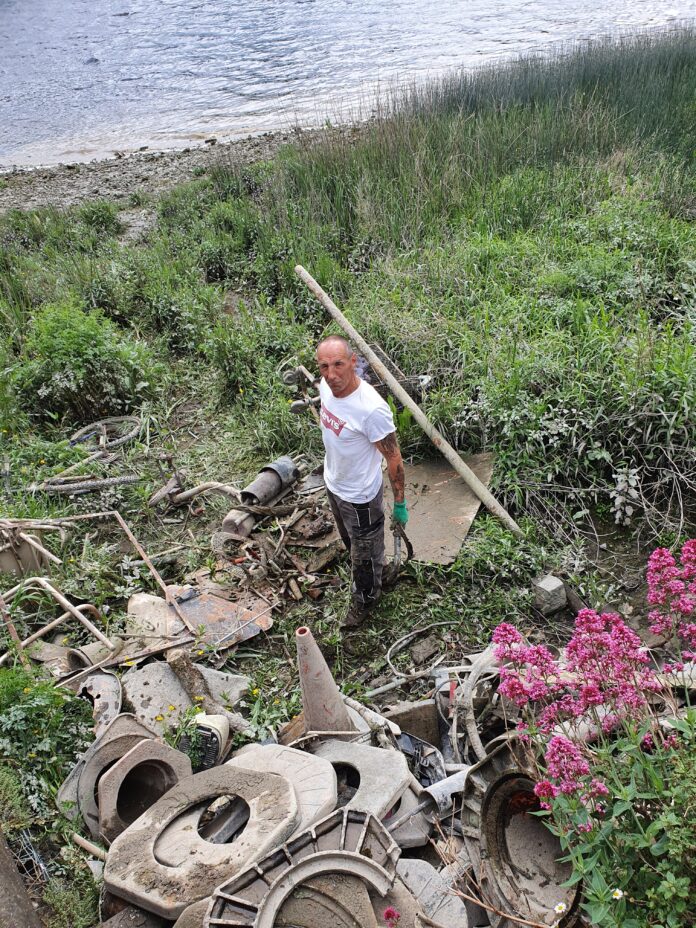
{"points": [[416, 718], [137, 781], [152, 689], [134, 868], [549, 594]]}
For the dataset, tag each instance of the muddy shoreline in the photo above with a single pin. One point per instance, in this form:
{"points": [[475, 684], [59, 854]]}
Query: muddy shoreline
{"points": [[147, 173]]}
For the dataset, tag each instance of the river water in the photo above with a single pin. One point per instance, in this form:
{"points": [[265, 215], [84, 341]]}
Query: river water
{"points": [[81, 79]]}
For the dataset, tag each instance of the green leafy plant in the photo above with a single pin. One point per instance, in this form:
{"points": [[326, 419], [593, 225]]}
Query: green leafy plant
{"points": [[42, 729], [184, 735], [77, 365]]}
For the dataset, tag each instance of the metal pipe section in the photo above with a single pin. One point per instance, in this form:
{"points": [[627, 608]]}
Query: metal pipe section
{"points": [[440, 442]]}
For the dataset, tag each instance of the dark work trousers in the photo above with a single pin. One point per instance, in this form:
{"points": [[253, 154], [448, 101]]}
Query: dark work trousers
{"points": [[361, 527]]}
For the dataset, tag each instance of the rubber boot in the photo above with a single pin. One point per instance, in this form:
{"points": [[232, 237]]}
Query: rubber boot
{"points": [[324, 709]]}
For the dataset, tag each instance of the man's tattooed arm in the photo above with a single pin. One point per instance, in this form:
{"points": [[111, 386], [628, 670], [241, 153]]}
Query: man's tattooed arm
{"points": [[389, 447]]}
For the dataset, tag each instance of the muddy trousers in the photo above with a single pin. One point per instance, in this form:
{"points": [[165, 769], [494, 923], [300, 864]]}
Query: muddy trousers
{"points": [[361, 527]]}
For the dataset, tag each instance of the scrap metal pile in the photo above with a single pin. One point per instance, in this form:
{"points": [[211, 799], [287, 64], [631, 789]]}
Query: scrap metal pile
{"points": [[418, 814], [347, 814]]}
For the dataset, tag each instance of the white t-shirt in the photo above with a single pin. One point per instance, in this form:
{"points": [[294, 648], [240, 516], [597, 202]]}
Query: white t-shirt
{"points": [[349, 428]]}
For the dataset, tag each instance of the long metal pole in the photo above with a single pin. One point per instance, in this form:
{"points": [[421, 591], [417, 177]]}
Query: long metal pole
{"points": [[440, 442]]}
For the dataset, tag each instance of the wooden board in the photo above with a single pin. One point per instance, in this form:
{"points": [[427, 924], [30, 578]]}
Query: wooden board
{"points": [[441, 507]]}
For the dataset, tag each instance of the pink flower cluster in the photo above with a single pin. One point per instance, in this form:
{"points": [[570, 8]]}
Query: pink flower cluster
{"points": [[391, 916], [531, 673], [602, 678], [603, 675], [672, 590]]}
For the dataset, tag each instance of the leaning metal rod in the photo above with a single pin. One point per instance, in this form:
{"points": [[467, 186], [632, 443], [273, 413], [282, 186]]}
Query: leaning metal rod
{"points": [[12, 631], [440, 442], [114, 514]]}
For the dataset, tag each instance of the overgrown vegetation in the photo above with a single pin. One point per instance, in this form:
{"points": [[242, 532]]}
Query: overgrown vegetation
{"points": [[523, 234]]}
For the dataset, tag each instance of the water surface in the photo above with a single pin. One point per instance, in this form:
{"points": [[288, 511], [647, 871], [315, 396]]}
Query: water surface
{"points": [[84, 78]]}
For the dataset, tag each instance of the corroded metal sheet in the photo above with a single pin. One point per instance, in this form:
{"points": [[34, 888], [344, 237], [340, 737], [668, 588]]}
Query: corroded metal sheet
{"points": [[441, 507], [225, 623]]}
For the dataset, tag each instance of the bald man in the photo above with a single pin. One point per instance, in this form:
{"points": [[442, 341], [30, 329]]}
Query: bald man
{"points": [[358, 430]]}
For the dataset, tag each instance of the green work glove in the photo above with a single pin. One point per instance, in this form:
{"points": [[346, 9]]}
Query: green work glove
{"points": [[400, 513]]}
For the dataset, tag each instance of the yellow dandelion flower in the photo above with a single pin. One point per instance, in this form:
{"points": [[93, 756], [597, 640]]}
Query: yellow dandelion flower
{"points": [[199, 698], [159, 718], [27, 689]]}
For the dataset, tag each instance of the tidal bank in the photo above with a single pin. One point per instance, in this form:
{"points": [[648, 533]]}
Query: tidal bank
{"points": [[147, 173]]}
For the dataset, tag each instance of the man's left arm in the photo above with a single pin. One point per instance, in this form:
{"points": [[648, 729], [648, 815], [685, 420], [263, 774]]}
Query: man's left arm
{"points": [[389, 447]]}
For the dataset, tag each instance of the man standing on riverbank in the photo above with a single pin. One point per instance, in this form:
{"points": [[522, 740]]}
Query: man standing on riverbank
{"points": [[358, 430]]}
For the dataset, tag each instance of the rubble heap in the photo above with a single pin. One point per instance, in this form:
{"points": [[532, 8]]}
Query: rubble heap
{"points": [[349, 816]]}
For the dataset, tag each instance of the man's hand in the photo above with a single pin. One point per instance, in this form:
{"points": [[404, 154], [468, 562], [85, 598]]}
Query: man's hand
{"points": [[400, 513]]}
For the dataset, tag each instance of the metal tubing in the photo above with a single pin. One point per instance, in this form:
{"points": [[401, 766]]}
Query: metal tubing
{"points": [[12, 631], [440, 442], [68, 606], [43, 584], [83, 607]]}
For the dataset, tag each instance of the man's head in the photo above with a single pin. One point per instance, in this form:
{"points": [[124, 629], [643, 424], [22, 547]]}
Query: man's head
{"points": [[337, 360]]}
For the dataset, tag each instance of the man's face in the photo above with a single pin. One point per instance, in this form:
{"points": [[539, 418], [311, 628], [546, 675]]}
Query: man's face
{"points": [[337, 368]]}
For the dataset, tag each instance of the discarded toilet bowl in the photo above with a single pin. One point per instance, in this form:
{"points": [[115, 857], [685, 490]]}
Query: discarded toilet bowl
{"points": [[323, 707], [313, 778], [137, 781], [433, 893], [77, 794], [346, 842], [134, 869], [514, 856], [375, 778]]}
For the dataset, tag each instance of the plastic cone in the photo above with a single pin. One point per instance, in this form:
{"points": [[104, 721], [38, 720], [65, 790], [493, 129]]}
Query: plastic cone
{"points": [[324, 710]]}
